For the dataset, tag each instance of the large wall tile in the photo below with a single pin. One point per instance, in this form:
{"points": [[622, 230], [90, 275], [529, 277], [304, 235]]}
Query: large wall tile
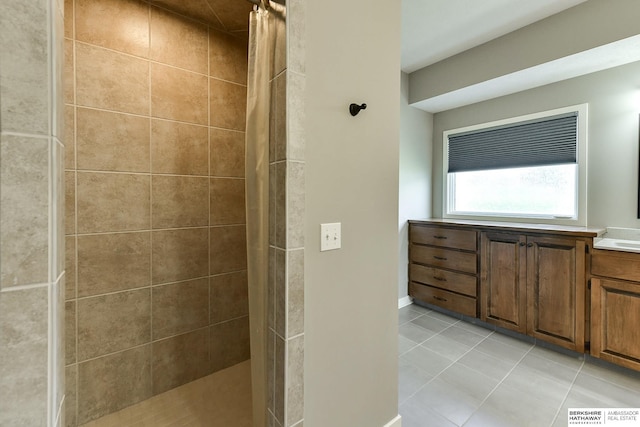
{"points": [[198, 9], [280, 294], [69, 72], [179, 148], [179, 360], [295, 204], [178, 94], [295, 292], [70, 332], [109, 141], [180, 307], [227, 201], [113, 262], [295, 380], [279, 385], [278, 114], [229, 296], [228, 104], [296, 143], [70, 266], [23, 357], [180, 254], [68, 18], [113, 202], [227, 153], [113, 382], [228, 249], [228, 57], [178, 41], [111, 80], [121, 25], [70, 202], [179, 201], [69, 136], [24, 67], [71, 396], [229, 343], [113, 322], [234, 14], [24, 200]]}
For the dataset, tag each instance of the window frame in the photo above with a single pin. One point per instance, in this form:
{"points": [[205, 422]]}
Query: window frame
{"points": [[581, 160]]}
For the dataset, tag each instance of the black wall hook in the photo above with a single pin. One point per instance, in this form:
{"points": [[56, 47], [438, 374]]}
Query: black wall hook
{"points": [[354, 109]]}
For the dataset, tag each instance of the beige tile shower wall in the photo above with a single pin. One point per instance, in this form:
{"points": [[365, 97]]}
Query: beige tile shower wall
{"points": [[32, 278], [285, 351], [156, 249]]}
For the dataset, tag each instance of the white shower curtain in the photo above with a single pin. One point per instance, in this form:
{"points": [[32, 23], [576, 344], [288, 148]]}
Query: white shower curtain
{"points": [[257, 202]]}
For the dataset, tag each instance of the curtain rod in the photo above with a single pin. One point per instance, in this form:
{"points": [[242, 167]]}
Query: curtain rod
{"points": [[257, 2]]}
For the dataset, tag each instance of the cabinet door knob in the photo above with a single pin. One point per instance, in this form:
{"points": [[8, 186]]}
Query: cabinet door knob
{"points": [[529, 245], [440, 258], [522, 243], [439, 298], [440, 237], [442, 279]]}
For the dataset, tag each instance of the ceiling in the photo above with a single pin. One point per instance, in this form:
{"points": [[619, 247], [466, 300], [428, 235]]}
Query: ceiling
{"points": [[433, 30]]}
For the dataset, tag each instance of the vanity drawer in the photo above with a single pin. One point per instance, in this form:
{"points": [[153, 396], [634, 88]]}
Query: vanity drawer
{"points": [[618, 265], [455, 282], [441, 298], [444, 258], [445, 237]]}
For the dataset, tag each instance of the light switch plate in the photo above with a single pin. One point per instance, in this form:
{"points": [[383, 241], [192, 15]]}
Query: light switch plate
{"points": [[330, 236]]}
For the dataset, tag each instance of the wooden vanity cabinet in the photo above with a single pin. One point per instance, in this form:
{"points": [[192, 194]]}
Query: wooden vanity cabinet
{"points": [[443, 267], [535, 284], [615, 307]]}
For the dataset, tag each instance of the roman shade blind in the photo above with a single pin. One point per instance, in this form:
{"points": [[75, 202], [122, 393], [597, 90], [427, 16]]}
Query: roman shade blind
{"points": [[540, 142]]}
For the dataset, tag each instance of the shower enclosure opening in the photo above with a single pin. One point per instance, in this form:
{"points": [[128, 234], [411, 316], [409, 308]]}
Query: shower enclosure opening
{"points": [[157, 299]]}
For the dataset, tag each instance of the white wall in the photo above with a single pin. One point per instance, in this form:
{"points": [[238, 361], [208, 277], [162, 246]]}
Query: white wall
{"points": [[614, 106], [414, 198], [353, 55]]}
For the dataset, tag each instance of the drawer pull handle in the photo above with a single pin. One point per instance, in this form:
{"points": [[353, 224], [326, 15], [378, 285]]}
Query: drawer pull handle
{"points": [[440, 237], [440, 258], [442, 279], [439, 298]]}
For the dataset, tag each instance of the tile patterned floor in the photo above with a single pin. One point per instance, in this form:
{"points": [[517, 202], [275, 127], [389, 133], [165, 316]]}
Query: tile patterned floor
{"points": [[454, 373], [222, 399]]}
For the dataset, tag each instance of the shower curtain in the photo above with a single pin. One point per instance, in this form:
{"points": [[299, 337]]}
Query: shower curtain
{"points": [[257, 202]]}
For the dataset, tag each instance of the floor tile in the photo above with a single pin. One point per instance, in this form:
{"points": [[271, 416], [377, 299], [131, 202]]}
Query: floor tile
{"points": [[416, 415], [540, 366], [609, 394], [495, 346], [407, 314], [405, 344], [462, 335], [426, 360], [410, 380], [507, 406], [415, 333], [490, 366], [446, 347], [431, 323]]}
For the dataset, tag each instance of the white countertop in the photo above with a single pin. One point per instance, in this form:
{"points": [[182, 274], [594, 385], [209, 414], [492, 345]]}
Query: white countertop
{"points": [[619, 239]]}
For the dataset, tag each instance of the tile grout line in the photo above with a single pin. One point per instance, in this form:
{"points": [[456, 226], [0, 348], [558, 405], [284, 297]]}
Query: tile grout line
{"points": [[575, 377]]}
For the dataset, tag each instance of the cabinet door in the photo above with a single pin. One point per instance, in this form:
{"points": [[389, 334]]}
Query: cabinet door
{"points": [[615, 316], [556, 290], [503, 280]]}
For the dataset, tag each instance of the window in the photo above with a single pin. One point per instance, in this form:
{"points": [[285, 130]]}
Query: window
{"points": [[530, 168]]}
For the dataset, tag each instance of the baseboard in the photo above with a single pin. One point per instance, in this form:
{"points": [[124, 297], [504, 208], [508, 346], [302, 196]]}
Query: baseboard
{"points": [[396, 422], [405, 301]]}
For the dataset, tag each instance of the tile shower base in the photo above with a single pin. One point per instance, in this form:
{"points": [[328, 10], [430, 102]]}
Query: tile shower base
{"points": [[221, 399]]}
